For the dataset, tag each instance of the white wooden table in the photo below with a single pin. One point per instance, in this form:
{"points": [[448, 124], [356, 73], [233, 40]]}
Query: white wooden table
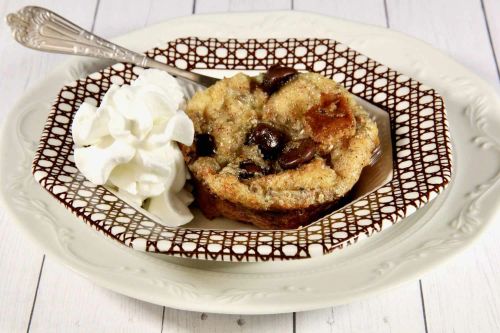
{"points": [[38, 295]]}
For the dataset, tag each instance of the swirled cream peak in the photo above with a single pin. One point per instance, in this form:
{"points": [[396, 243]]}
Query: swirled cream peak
{"points": [[128, 142]]}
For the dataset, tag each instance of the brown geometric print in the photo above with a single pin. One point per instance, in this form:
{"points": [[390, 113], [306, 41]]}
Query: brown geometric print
{"points": [[422, 154]]}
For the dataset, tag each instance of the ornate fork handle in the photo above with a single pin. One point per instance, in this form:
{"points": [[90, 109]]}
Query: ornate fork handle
{"points": [[41, 29]]}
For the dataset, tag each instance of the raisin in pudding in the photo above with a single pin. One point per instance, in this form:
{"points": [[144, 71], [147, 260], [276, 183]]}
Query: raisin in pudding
{"points": [[277, 150]]}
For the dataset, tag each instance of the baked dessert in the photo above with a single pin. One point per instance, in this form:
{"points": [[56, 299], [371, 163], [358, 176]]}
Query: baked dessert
{"points": [[277, 150]]}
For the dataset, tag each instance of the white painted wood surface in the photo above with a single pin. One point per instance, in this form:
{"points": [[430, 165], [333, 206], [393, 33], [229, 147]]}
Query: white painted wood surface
{"points": [[69, 303], [382, 313], [20, 261], [371, 12], [220, 6], [176, 321], [491, 10], [463, 296]]}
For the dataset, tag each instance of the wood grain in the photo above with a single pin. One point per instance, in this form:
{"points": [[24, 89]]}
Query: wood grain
{"points": [[463, 295], [19, 266], [133, 15], [364, 11], [455, 27], [220, 6], [69, 303], [398, 310], [177, 321], [184, 321], [491, 11], [380, 313], [20, 260], [34, 64], [65, 301]]}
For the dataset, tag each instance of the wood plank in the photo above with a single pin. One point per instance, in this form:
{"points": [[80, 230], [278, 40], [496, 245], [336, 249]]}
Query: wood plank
{"points": [[134, 15], [492, 11], [398, 310], [184, 321], [24, 66], [66, 302], [69, 303], [220, 6], [346, 318], [464, 294], [20, 265], [381, 313], [370, 12], [455, 27], [20, 260]]}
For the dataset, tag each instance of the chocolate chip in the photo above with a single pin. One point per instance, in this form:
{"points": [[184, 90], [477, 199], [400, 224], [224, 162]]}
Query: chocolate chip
{"points": [[253, 85], [269, 139], [328, 160], [249, 168], [243, 174], [276, 77], [205, 144], [297, 153]]}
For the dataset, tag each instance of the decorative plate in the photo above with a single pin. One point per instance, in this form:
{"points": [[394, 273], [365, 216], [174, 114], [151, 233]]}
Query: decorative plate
{"points": [[407, 250], [422, 153]]}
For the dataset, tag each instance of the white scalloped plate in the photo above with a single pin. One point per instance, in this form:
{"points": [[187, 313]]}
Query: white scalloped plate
{"points": [[436, 232], [414, 116]]}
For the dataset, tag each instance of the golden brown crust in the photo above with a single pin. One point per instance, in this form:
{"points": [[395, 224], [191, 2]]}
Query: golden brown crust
{"points": [[308, 106], [213, 206]]}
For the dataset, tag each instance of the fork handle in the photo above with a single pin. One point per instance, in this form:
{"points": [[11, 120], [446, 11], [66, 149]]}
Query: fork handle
{"points": [[41, 29]]}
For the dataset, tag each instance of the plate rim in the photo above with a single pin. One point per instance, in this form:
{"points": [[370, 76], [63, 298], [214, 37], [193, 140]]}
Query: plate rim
{"points": [[334, 229], [402, 272]]}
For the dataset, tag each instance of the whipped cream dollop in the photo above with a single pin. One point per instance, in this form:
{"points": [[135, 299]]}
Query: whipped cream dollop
{"points": [[128, 143]]}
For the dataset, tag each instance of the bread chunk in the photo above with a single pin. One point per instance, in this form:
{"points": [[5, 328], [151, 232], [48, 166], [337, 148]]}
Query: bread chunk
{"points": [[277, 156]]}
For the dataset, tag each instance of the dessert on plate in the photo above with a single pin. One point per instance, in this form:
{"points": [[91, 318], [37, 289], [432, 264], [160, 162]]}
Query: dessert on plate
{"points": [[129, 144], [277, 150]]}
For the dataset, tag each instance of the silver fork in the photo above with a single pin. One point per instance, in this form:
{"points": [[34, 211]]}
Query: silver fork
{"points": [[377, 152], [41, 29]]}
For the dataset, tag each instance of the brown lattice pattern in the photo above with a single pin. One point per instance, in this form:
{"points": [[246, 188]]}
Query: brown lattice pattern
{"points": [[422, 166]]}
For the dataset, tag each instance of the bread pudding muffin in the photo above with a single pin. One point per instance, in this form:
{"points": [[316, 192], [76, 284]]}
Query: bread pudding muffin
{"points": [[277, 150]]}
